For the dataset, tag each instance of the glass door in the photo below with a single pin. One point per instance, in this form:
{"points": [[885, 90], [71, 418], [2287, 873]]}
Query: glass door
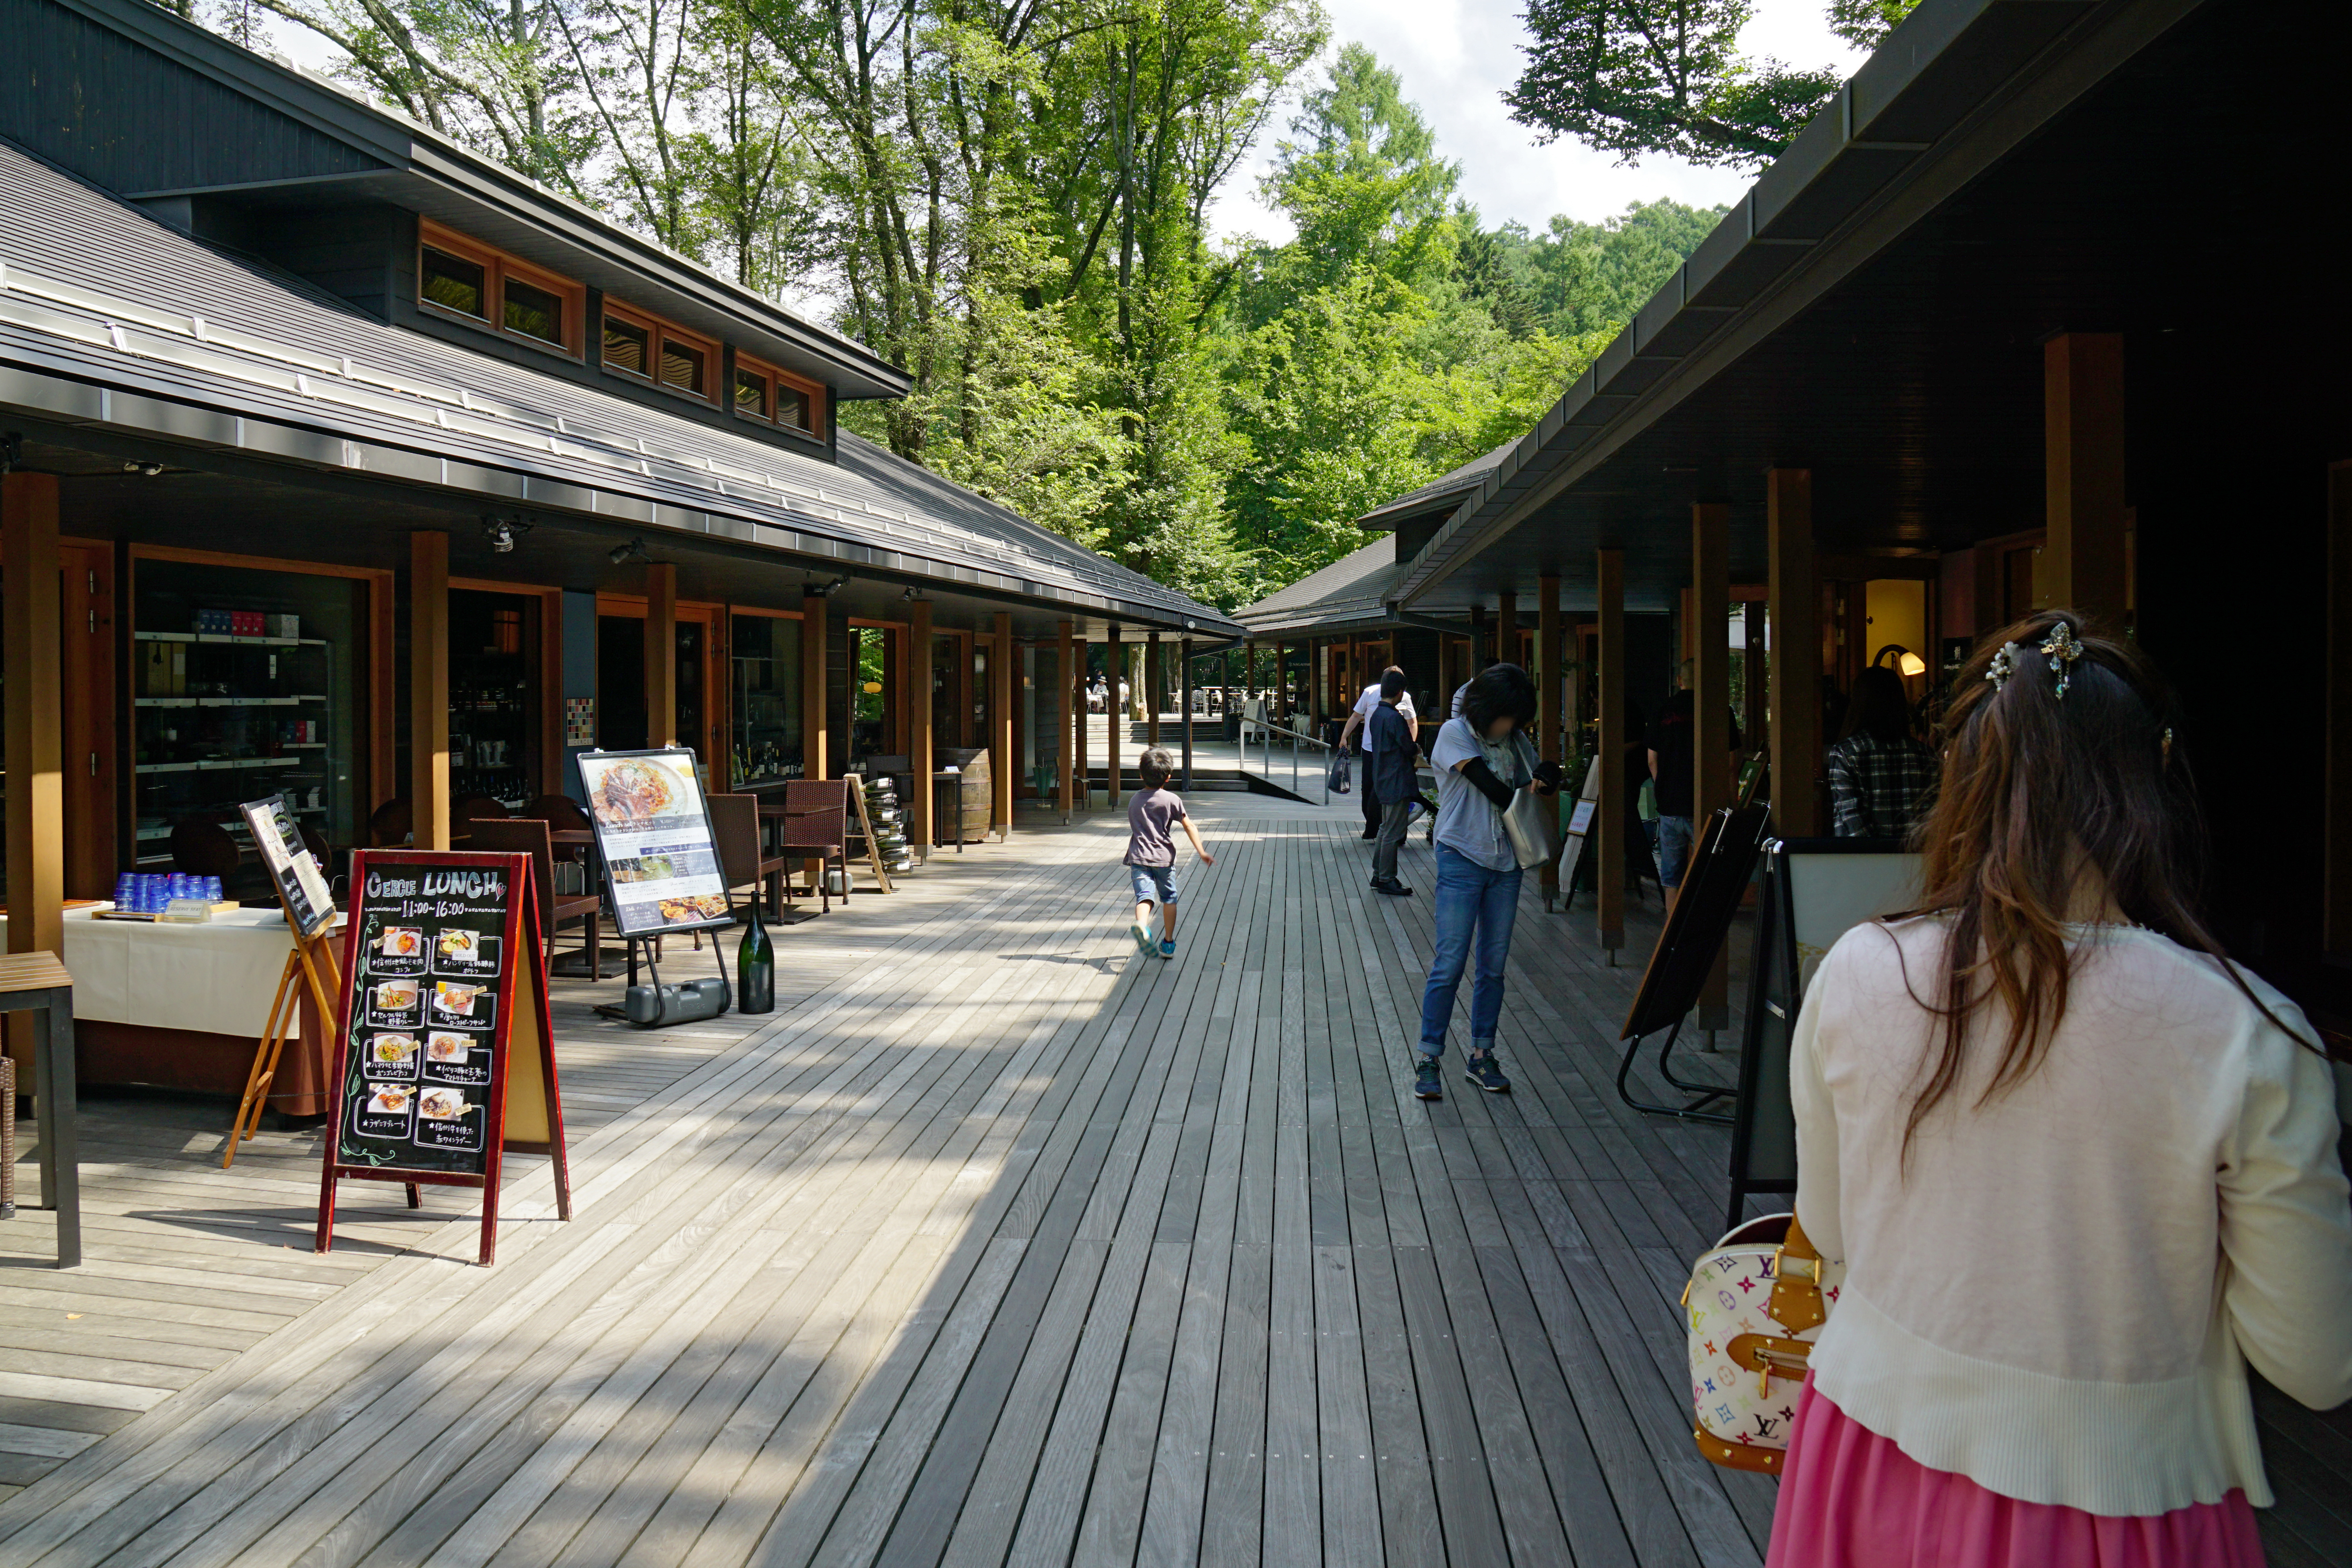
{"points": [[494, 696]]}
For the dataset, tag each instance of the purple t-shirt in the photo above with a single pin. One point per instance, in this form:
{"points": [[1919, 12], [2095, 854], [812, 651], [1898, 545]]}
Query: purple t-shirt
{"points": [[1151, 818]]}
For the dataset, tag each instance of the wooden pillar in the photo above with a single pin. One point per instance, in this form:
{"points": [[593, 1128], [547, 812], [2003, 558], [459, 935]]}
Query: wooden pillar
{"points": [[1547, 716], [1506, 627], [1115, 711], [1609, 816], [2083, 443], [1000, 723], [1085, 722], [661, 655], [428, 688], [1184, 696], [1710, 608], [1318, 700], [919, 795], [30, 655], [1152, 674], [1073, 713], [1794, 603], [814, 764]]}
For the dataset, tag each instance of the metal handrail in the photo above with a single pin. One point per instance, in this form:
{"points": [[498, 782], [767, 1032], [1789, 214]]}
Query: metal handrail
{"points": [[1294, 738]]}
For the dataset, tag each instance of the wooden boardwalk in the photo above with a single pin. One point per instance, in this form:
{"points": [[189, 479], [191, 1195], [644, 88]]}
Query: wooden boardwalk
{"points": [[998, 1243]]}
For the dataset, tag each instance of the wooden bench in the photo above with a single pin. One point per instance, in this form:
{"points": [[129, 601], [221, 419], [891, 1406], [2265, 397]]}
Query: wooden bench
{"points": [[37, 982]]}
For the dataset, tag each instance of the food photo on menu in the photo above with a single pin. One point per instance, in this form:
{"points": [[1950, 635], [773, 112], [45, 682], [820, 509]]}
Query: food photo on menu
{"points": [[452, 999], [457, 952], [393, 1002], [400, 950], [392, 1054], [446, 1119], [631, 794], [449, 1058], [384, 1113]]}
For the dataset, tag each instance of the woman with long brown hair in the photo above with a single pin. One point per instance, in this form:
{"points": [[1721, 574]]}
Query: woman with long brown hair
{"points": [[2082, 1169]]}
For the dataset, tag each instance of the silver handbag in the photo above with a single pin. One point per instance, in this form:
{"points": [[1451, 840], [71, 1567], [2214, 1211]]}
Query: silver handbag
{"points": [[1532, 825]]}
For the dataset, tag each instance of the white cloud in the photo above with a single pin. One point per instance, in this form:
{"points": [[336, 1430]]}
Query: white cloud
{"points": [[1457, 58]]}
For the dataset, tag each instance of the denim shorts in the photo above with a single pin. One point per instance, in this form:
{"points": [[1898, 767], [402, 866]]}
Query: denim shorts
{"points": [[1153, 884]]}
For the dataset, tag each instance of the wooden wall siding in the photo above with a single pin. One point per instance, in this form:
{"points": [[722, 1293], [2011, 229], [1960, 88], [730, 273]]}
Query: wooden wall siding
{"points": [[133, 120], [997, 1242]]}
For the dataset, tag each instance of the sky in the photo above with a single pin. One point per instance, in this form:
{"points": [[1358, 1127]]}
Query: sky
{"points": [[1457, 58]]}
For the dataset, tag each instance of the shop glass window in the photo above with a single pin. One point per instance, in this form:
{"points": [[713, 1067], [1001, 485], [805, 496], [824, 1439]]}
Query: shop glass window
{"points": [[751, 394], [682, 366], [628, 347], [533, 313], [766, 714], [457, 284], [494, 696], [274, 706]]}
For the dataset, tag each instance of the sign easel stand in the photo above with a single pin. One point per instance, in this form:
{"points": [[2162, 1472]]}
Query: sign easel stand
{"points": [[304, 961], [866, 826], [526, 1026]]}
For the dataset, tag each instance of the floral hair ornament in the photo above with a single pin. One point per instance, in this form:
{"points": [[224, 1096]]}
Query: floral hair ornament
{"points": [[2003, 666], [2063, 650]]}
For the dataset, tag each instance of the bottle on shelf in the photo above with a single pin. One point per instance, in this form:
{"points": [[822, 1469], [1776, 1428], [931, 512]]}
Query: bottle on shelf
{"points": [[755, 967]]}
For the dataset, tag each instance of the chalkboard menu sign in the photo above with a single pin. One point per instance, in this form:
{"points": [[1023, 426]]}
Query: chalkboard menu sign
{"points": [[654, 834], [444, 1011], [309, 905]]}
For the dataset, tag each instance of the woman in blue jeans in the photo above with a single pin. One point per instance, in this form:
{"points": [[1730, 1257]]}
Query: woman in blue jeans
{"points": [[1482, 759]]}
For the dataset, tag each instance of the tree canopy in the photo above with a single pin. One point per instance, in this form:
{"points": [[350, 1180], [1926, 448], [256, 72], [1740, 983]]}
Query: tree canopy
{"points": [[1011, 199], [1667, 76]]}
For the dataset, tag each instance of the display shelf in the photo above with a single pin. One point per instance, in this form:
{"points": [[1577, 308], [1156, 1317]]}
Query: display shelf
{"points": [[290, 702], [217, 764]]}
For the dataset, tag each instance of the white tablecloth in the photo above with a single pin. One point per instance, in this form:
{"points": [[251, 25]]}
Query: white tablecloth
{"points": [[217, 977]]}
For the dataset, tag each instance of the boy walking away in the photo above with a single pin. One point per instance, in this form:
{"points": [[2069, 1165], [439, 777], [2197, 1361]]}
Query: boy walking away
{"points": [[1391, 773], [1152, 816]]}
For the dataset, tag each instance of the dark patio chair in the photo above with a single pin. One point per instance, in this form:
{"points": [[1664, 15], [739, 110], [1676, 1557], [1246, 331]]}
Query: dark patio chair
{"points": [[528, 835], [814, 828], [735, 829]]}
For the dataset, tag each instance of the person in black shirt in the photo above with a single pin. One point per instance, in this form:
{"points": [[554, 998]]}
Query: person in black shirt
{"points": [[1670, 765]]}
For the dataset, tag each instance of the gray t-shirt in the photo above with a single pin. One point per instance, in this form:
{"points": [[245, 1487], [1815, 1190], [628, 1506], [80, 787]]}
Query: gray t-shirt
{"points": [[1151, 818], [1467, 822]]}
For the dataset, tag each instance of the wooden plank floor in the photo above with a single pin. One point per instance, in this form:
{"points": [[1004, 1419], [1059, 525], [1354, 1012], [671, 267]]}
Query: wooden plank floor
{"points": [[998, 1243]]}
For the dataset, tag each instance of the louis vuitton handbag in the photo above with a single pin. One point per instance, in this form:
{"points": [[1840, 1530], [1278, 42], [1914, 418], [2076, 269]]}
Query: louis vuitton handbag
{"points": [[1755, 1304]]}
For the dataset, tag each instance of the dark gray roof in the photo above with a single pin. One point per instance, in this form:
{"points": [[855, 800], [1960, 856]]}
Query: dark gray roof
{"points": [[1349, 590], [110, 318], [1445, 488]]}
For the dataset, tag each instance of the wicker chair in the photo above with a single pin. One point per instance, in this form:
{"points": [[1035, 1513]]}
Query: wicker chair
{"points": [[529, 837], [815, 827], [735, 831]]}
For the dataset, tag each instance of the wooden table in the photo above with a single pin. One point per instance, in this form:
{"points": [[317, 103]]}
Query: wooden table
{"points": [[38, 982]]}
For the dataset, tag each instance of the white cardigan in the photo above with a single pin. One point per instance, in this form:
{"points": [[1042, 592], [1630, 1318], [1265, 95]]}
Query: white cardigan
{"points": [[2059, 1298]]}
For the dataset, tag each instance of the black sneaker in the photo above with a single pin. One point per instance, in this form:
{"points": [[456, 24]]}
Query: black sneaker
{"points": [[1426, 1083], [1392, 887], [1370, 834], [1486, 1073]]}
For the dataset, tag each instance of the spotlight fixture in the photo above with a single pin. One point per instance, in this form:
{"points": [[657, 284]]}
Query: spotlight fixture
{"points": [[829, 589], [910, 593], [149, 468], [502, 532], [622, 555]]}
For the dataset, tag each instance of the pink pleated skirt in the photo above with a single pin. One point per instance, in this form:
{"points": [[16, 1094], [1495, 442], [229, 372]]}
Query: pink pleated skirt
{"points": [[1851, 1499]]}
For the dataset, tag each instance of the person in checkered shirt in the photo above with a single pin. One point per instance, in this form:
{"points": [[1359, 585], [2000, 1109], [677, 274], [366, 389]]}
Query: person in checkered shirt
{"points": [[1881, 777]]}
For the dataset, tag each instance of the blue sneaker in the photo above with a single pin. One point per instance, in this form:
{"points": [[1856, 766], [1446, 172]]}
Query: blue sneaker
{"points": [[1142, 939], [1168, 947], [1486, 1073], [1426, 1082]]}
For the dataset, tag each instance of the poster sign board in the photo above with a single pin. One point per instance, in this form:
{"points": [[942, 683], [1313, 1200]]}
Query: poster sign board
{"points": [[1815, 891], [442, 1048], [653, 833], [300, 885], [1579, 828]]}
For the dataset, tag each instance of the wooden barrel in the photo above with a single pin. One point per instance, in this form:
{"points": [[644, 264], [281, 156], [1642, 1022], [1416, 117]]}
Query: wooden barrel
{"points": [[975, 796]]}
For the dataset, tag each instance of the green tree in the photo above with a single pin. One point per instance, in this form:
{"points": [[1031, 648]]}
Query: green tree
{"points": [[1666, 76]]}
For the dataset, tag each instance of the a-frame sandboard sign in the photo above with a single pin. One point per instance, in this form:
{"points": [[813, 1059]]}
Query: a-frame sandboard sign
{"points": [[443, 1048]]}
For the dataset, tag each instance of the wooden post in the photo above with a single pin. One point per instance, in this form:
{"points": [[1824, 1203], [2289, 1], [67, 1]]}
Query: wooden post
{"points": [[1547, 677], [1318, 698], [814, 762], [1793, 600], [428, 688], [1114, 711], [1152, 682], [1073, 713], [661, 655], [31, 653], [2083, 443], [919, 795], [1085, 722], [1609, 816], [1710, 608], [1506, 627], [1000, 724], [1184, 696]]}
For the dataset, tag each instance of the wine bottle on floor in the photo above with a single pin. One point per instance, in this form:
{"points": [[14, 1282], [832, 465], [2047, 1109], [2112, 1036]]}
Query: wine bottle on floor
{"points": [[755, 968]]}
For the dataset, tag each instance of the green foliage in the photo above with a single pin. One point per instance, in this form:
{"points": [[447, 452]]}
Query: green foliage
{"points": [[1666, 76]]}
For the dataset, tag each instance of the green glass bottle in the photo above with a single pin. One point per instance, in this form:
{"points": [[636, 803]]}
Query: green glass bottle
{"points": [[755, 968]]}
